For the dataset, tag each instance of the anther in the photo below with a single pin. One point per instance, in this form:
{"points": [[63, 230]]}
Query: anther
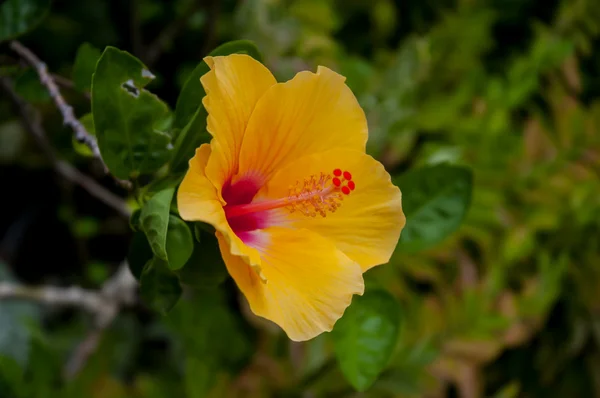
{"points": [[317, 194], [320, 194]]}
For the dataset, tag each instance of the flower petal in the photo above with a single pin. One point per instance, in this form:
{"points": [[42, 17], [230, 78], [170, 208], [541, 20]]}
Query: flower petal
{"points": [[233, 86], [309, 283], [311, 113], [367, 225], [197, 200]]}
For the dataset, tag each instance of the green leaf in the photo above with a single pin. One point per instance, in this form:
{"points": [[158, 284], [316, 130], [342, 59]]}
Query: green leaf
{"points": [[159, 287], [134, 220], [88, 122], [29, 87], [180, 243], [85, 64], [169, 236], [154, 221], [190, 98], [201, 316], [20, 16], [139, 253], [127, 117], [17, 318], [435, 200], [364, 338], [10, 70], [11, 377], [199, 376], [200, 228], [205, 268], [190, 116], [168, 181], [13, 140], [193, 135], [43, 370]]}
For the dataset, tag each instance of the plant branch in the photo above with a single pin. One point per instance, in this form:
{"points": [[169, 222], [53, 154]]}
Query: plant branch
{"points": [[66, 110], [56, 296], [118, 291], [104, 305], [69, 119], [32, 124]]}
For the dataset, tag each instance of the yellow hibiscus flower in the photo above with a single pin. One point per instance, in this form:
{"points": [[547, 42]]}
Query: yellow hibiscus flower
{"points": [[300, 211]]}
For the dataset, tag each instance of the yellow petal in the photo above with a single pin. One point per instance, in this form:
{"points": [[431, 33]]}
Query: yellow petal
{"points": [[367, 225], [197, 200], [233, 87], [309, 283], [311, 113]]}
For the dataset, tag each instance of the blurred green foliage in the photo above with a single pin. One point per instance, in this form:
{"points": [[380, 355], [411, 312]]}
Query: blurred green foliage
{"points": [[487, 115]]}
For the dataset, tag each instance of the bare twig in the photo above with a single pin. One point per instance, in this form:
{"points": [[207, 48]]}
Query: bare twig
{"points": [[69, 119], [92, 187], [34, 128], [168, 34], [104, 305], [57, 296], [119, 291]]}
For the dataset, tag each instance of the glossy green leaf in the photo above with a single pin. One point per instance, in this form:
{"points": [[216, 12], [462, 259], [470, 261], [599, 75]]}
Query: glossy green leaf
{"points": [[81, 148], [190, 116], [127, 117], [43, 368], [193, 135], [205, 268], [134, 220], [11, 377], [20, 16], [365, 337], [180, 243], [435, 200], [85, 64], [168, 181], [154, 221], [159, 287], [200, 376], [200, 228], [29, 87], [190, 98], [169, 236], [10, 70], [201, 316], [13, 140], [139, 253]]}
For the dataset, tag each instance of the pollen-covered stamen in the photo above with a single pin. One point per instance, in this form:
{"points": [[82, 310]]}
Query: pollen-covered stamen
{"points": [[320, 194], [317, 194]]}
